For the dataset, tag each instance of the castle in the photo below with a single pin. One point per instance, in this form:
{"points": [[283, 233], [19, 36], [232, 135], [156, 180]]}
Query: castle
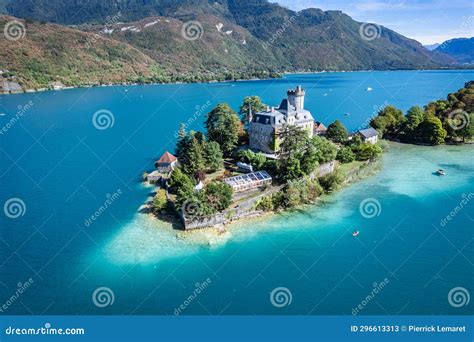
{"points": [[264, 126]]}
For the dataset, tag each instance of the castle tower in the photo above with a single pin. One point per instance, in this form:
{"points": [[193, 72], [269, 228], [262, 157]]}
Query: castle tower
{"points": [[296, 97]]}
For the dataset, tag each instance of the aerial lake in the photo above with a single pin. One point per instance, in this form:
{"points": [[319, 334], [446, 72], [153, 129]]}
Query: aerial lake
{"points": [[61, 167]]}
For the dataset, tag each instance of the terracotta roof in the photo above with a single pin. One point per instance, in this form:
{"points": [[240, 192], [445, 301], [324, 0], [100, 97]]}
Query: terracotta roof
{"points": [[319, 127], [166, 158]]}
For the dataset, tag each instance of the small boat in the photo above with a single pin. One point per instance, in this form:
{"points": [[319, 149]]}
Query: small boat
{"points": [[369, 89], [355, 233], [347, 114], [441, 172]]}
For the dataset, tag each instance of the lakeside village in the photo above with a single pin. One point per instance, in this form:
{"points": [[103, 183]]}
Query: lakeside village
{"points": [[275, 158]]}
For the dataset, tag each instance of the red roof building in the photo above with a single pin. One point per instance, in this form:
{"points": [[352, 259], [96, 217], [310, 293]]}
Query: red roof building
{"points": [[166, 163], [319, 128]]}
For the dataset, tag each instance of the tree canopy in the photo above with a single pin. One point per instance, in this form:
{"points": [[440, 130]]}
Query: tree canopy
{"points": [[439, 121], [388, 121], [224, 127], [196, 154], [253, 102], [299, 154], [337, 132]]}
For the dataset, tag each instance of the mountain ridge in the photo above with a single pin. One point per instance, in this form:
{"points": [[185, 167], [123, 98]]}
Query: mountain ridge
{"points": [[236, 39], [460, 49]]}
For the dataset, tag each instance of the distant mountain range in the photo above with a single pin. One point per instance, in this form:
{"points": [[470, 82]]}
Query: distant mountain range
{"points": [[194, 40], [461, 49], [432, 46]]}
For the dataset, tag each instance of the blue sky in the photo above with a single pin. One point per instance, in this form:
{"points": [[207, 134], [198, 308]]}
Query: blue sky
{"points": [[429, 21]]}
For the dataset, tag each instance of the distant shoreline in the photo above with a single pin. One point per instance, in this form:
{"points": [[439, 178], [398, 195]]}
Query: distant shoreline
{"points": [[126, 84]]}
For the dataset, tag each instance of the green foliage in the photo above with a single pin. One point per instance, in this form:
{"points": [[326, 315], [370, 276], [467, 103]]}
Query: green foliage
{"points": [[333, 181], [301, 191], [389, 121], [294, 194], [415, 116], [257, 160], [215, 197], [265, 204], [253, 102], [337, 132], [326, 150], [366, 151], [160, 202], [182, 185], [213, 156], [160, 54], [224, 127], [431, 131], [345, 155], [464, 126], [182, 143], [441, 120], [318, 151], [193, 158], [260, 20], [299, 155], [271, 166], [196, 154], [294, 143]]}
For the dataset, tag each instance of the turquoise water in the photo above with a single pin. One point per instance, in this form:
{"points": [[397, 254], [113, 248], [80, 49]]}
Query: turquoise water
{"points": [[64, 169]]}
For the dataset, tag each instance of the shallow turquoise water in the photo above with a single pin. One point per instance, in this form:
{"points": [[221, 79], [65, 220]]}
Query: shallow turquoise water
{"points": [[63, 168]]}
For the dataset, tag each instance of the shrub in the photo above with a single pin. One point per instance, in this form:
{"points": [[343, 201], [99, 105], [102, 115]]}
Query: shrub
{"points": [[366, 151], [332, 181], [265, 204], [160, 202], [337, 132], [345, 155]]}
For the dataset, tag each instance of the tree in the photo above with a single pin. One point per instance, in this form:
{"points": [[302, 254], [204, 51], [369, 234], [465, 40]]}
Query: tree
{"points": [[224, 127], [253, 102], [257, 160], [327, 151], [182, 142], [299, 154], [366, 151], [160, 202], [193, 159], [388, 121], [332, 181], [294, 143], [216, 196], [467, 132], [460, 126], [182, 185], [345, 155], [319, 151], [415, 116], [265, 204], [337, 132], [431, 131], [301, 191], [213, 156]]}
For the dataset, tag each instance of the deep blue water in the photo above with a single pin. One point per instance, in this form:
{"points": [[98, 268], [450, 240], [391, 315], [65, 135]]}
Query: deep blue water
{"points": [[64, 169]]}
